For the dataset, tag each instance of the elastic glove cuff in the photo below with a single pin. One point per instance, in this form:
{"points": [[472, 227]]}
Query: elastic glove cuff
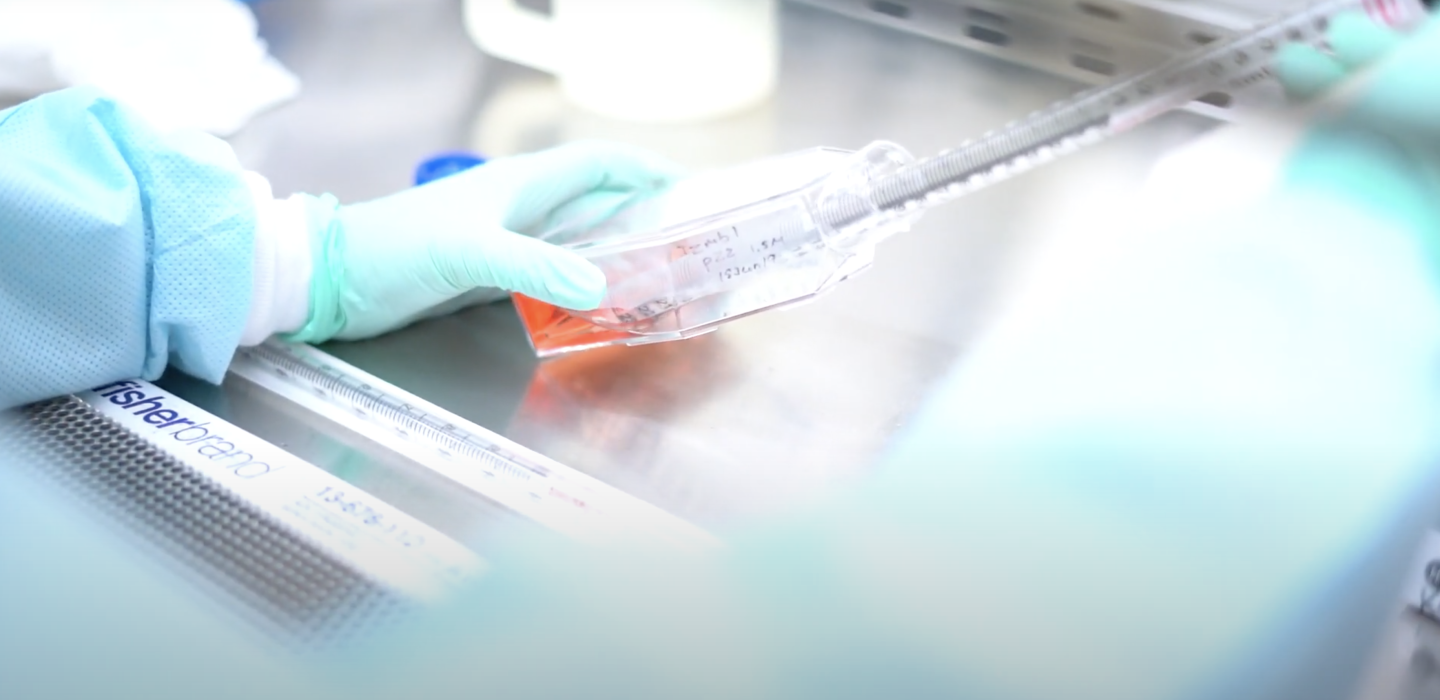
{"points": [[280, 284], [327, 250]]}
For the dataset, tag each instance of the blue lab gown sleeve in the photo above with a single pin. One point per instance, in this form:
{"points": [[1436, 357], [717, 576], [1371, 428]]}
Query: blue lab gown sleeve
{"points": [[121, 249]]}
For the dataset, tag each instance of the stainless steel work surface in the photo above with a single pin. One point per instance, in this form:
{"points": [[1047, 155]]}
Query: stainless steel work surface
{"points": [[765, 412]]}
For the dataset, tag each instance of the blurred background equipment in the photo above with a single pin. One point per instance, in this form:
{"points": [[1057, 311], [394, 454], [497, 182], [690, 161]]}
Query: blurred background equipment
{"points": [[194, 65], [1092, 41], [639, 60]]}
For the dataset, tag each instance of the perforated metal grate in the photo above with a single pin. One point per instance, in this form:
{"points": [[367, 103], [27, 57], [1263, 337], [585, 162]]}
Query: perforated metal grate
{"points": [[282, 583]]}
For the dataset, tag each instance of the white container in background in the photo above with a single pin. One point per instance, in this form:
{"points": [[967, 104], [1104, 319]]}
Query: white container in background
{"points": [[651, 61]]}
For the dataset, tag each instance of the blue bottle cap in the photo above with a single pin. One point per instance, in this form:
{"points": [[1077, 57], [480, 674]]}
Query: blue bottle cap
{"points": [[438, 166]]}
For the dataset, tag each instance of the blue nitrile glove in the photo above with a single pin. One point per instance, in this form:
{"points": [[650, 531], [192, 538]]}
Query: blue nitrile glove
{"points": [[382, 264], [1376, 139]]}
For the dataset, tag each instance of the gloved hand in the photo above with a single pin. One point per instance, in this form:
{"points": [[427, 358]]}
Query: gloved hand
{"points": [[380, 265], [1375, 141]]}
